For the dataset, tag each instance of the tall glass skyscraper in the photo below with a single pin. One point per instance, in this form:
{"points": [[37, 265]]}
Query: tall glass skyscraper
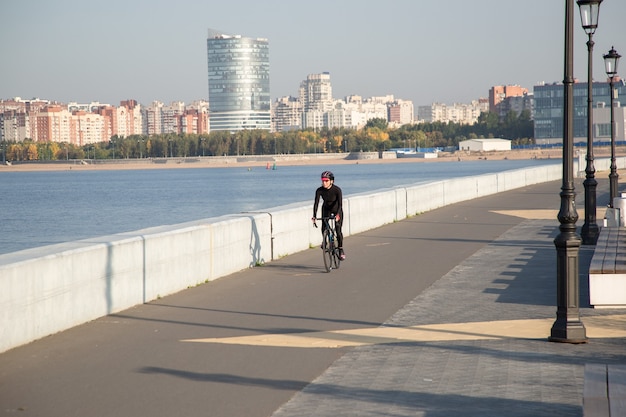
{"points": [[239, 82]]}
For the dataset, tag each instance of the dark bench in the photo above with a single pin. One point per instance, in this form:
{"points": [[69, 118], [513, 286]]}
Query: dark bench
{"points": [[604, 391], [607, 270]]}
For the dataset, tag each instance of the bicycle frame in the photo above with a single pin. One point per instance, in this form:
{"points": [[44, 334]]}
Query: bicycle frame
{"points": [[330, 248]]}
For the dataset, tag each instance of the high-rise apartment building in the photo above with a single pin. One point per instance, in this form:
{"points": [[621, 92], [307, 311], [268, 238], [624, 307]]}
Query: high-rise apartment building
{"points": [[316, 93], [499, 93], [286, 114], [195, 119], [54, 123], [129, 120], [15, 123], [506, 98], [516, 104], [170, 117], [152, 116], [400, 112], [239, 82]]}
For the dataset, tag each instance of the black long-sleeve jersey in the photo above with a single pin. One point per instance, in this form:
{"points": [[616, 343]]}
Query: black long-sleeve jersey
{"points": [[333, 200]]}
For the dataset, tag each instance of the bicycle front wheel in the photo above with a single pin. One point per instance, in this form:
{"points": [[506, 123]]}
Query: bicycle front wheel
{"points": [[327, 250], [336, 255]]}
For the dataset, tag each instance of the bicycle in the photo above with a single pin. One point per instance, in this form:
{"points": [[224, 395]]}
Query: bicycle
{"points": [[330, 247]]}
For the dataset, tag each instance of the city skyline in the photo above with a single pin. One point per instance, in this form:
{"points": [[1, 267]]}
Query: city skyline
{"points": [[448, 51]]}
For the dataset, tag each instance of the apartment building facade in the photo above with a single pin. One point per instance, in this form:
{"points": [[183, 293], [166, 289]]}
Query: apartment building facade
{"points": [[15, 125], [461, 113], [83, 124], [499, 93], [400, 112], [316, 93], [286, 114], [315, 108]]}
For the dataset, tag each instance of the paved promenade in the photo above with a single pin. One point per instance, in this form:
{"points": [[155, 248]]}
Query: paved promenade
{"points": [[442, 314], [474, 343]]}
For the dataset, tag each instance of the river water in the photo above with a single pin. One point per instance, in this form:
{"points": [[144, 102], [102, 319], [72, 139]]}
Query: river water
{"points": [[43, 208]]}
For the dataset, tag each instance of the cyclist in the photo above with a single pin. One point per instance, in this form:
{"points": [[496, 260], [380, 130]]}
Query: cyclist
{"points": [[332, 206]]}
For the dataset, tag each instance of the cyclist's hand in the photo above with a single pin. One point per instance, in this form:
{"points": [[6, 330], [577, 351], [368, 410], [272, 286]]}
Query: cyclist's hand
{"points": [[337, 218]]}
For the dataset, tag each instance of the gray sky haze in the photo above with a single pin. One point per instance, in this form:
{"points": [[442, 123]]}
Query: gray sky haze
{"points": [[443, 51]]}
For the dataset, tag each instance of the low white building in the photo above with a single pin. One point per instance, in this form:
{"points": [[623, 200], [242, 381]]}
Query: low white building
{"points": [[476, 145]]}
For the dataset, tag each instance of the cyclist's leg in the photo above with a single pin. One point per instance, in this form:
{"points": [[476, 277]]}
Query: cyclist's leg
{"points": [[338, 225], [324, 226]]}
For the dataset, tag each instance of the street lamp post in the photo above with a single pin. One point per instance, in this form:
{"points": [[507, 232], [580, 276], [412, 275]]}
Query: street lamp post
{"points": [[589, 13], [568, 328], [611, 60]]}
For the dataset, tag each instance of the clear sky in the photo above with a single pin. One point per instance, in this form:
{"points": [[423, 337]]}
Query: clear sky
{"points": [[443, 51]]}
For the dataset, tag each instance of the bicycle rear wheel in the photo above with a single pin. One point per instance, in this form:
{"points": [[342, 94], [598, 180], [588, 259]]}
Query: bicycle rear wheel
{"points": [[327, 250]]}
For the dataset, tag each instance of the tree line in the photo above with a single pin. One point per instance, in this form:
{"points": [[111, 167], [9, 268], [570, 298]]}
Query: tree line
{"points": [[375, 136]]}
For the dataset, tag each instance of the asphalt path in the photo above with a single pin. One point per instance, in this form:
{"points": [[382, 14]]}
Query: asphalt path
{"points": [[150, 360]]}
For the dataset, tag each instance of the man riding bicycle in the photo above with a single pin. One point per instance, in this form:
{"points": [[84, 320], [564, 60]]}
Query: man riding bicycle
{"points": [[332, 206]]}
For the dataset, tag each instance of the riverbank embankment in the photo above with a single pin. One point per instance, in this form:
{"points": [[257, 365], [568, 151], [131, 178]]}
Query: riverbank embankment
{"points": [[269, 161]]}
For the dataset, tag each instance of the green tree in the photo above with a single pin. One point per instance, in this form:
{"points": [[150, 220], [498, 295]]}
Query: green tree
{"points": [[488, 123], [378, 122]]}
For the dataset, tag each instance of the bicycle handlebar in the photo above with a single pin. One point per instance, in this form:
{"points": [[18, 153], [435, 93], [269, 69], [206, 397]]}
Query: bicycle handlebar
{"points": [[322, 218]]}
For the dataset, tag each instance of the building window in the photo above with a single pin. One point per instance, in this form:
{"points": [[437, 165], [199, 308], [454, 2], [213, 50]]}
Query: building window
{"points": [[603, 130]]}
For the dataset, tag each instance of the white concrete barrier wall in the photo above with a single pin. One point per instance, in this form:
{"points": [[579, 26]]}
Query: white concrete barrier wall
{"points": [[173, 259], [53, 288], [510, 180], [49, 289], [401, 203], [59, 290], [371, 210], [459, 189], [424, 197], [292, 228], [238, 242]]}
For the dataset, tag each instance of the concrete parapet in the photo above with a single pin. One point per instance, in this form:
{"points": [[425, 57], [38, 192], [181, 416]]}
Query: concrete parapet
{"points": [[370, 210], [290, 229], [365, 155]]}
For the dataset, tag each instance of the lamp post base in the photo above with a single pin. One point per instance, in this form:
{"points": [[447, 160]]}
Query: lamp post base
{"points": [[568, 332], [568, 327]]}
